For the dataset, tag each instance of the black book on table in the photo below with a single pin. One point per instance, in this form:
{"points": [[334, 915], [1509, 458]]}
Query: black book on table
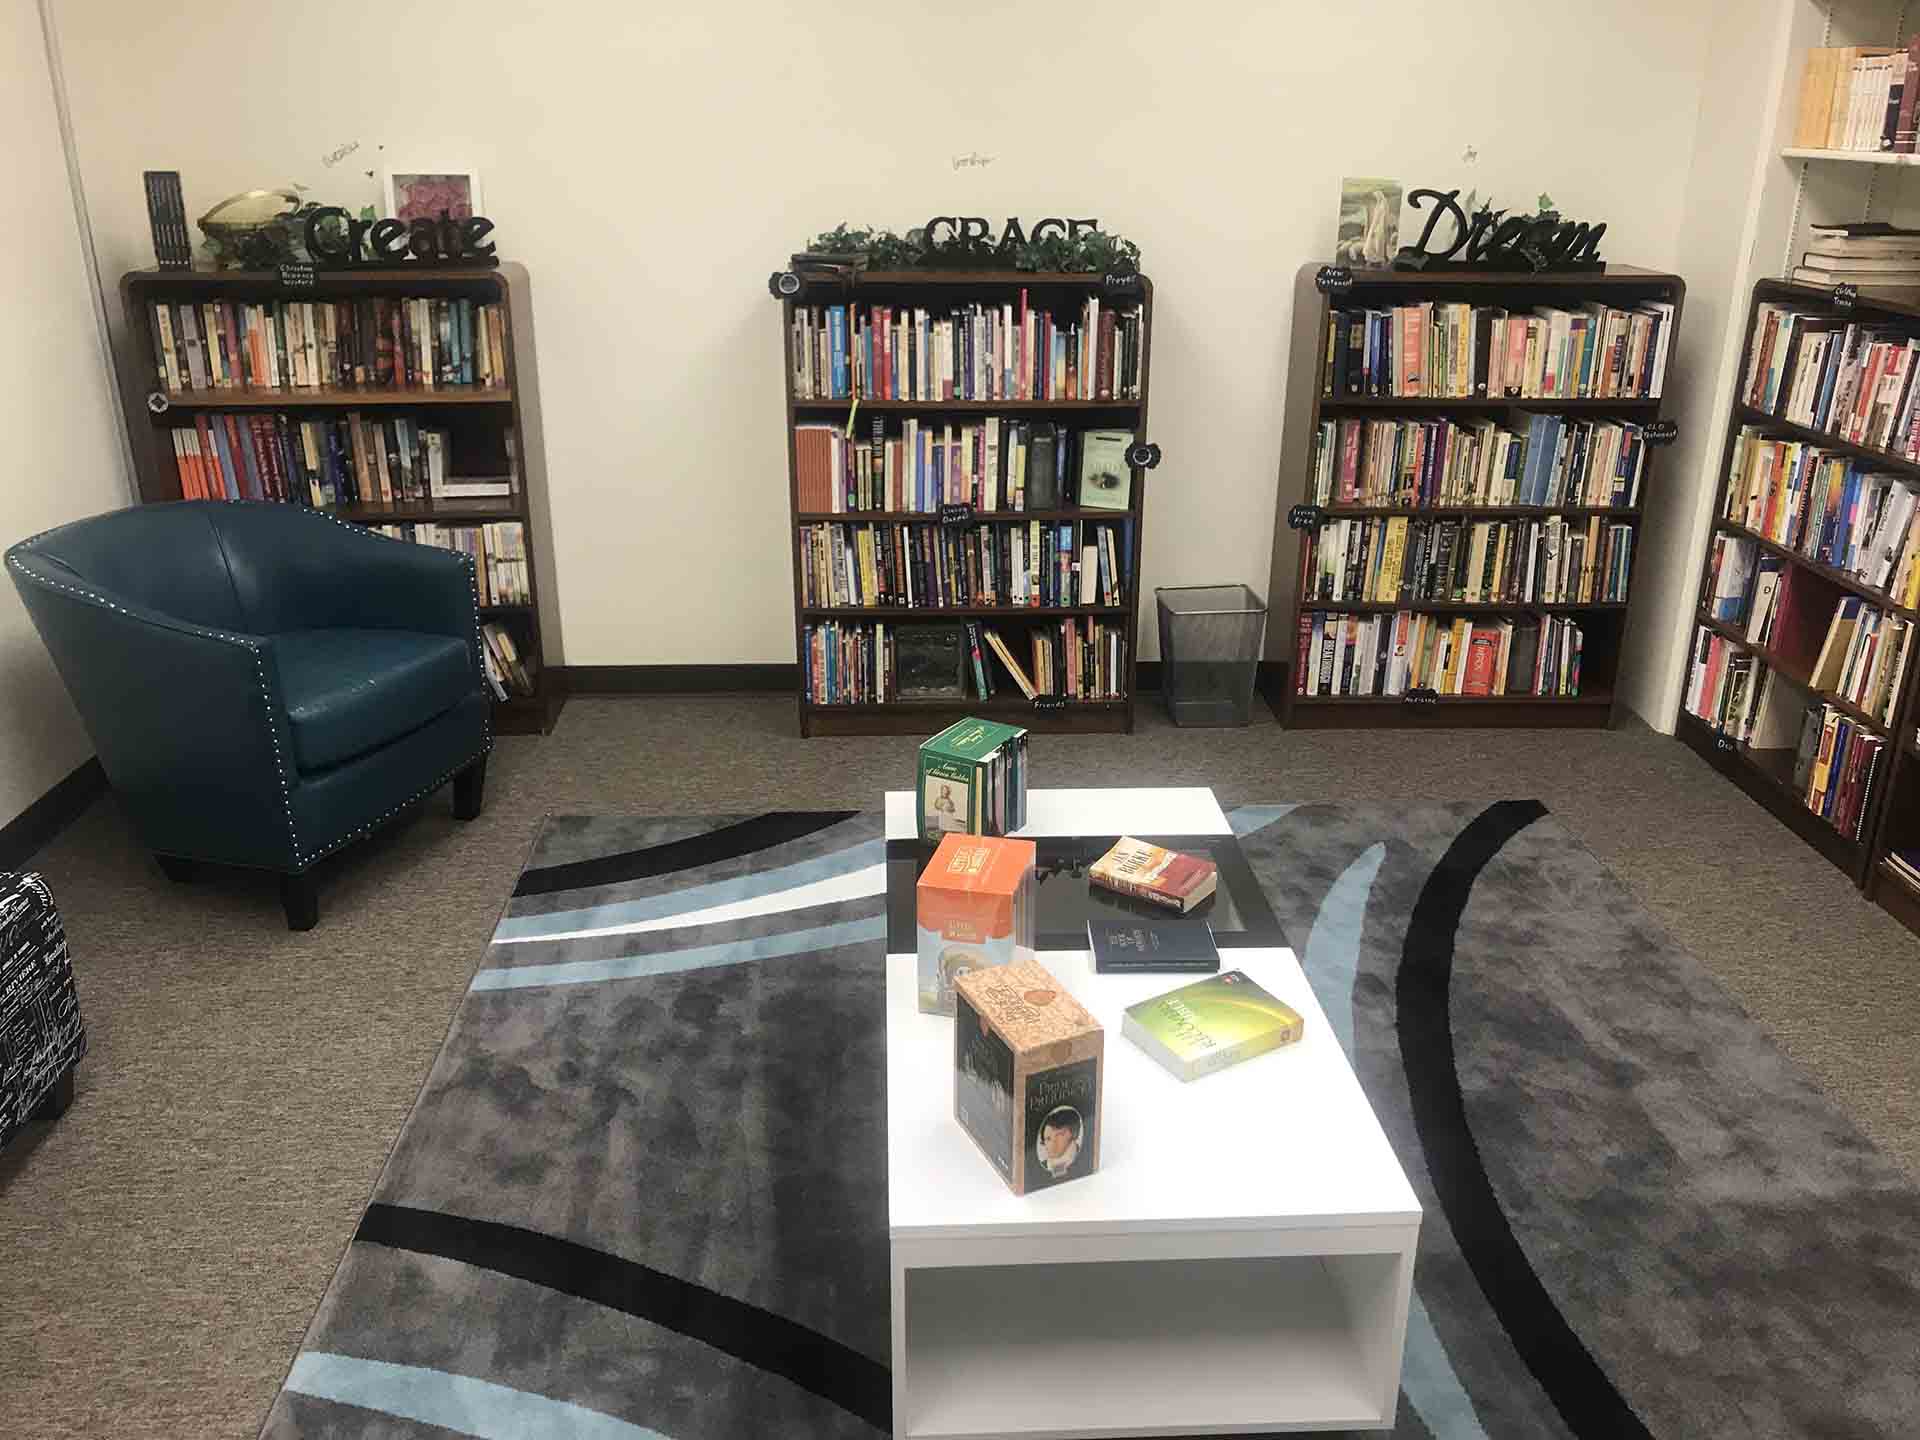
{"points": [[1133, 938]]}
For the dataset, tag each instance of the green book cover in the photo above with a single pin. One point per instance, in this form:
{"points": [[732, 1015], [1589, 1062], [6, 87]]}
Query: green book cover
{"points": [[1211, 1024], [955, 768]]}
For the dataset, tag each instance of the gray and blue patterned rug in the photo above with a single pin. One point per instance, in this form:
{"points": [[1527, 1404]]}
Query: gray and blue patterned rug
{"points": [[642, 1195]]}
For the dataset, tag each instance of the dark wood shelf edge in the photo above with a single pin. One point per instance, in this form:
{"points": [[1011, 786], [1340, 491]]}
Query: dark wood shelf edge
{"points": [[896, 719], [1772, 793]]}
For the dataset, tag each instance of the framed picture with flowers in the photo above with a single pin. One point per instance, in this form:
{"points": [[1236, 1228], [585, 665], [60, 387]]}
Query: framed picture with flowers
{"points": [[421, 193]]}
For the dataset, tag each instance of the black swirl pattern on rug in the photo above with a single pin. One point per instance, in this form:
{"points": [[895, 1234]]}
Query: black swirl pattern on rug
{"points": [[1566, 1370], [726, 842]]}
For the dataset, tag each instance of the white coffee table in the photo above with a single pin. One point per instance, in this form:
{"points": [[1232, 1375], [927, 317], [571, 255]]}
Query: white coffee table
{"points": [[1241, 1261]]}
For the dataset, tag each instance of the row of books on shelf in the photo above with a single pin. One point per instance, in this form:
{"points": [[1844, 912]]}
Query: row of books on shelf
{"points": [[1400, 559], [1837, 760], [993, 464], [1557, 461], [1341, 654], [1847, 647], [1442, 350], [874, 663], [1858, 97], [508, 672], [323, 461], [412, 342], [1010, 351], [499, 552], [921, 566], [1828, 507], [1853, 381]]}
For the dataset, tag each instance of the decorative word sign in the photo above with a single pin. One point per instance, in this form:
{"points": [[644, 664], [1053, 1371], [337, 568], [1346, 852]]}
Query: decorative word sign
{"points": [[968, 239], [1121, 285], [1306, 517], [956, 516], [1333, 279], [1662, 432], [1494, 240], [1844, 296], [445, 241], [296, 276]]}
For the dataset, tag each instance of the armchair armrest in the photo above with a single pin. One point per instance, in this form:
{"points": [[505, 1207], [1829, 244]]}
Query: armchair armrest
{"points": [[296, 569]]}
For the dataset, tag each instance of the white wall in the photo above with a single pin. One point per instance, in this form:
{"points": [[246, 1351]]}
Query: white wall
{"points": [[63, 455], [651, 164]]}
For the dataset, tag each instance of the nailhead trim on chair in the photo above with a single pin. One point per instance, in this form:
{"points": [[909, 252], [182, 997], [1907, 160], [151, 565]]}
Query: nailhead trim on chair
{"points": [[300, 862]]}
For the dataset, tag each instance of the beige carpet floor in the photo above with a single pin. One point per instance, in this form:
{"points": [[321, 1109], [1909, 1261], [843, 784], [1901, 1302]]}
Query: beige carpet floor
{"points": [[163, 1246]]}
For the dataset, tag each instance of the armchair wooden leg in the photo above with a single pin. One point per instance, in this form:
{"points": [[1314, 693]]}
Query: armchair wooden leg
{"points": [[178, 869], [55, 1102], [468, 787], [300, 897]]}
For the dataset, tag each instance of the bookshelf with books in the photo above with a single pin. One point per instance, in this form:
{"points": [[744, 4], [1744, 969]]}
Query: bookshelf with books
{"points": [[1799, 681], [401, 399], [966, 522], [1462, 474]]}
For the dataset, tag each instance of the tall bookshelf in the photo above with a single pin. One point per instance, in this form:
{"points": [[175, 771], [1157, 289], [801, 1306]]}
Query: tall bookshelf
{"points": [[1309, 401], [1062, 295], [1888, 817], [476, 418]]}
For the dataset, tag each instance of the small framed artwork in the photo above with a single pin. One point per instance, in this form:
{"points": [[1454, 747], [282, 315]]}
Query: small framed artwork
{"points": [[422, 193]]}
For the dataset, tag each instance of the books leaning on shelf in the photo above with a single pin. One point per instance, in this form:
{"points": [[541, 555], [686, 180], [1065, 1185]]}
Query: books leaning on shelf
{"points": [[1436, 462], [1873, 256], [1836, 767], [1858, 97], [507, 673], [1346, 654], [387, 342], [858, 663], [320, 460], [1828, 507], [1863, 658], [1436, 349], [1398, 559], [1850, 380], [923, 566], [499, 552], [997, 464], [1010, 351]]}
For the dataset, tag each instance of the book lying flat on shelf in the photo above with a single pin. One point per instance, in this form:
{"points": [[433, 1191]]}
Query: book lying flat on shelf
{"points": [[1211, 1024], [1167, 878]]}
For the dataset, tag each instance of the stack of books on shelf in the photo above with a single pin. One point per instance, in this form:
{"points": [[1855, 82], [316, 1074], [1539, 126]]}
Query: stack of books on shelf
{"points": [[1009, 351], [499, 552], [1858, 97], [857, 663], [1398, 560], [920, 566], [995, 465], [1558, 462], [1441, 350], [1829, 507], [1358, 655], [323, 461], [1874, 257], [507, 672], [391, 343]]}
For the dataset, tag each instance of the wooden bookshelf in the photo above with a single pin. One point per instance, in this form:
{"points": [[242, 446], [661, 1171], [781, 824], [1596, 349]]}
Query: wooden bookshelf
{"points": [[938, 291], [1768, 775], [1604, 624], [476, 417]]}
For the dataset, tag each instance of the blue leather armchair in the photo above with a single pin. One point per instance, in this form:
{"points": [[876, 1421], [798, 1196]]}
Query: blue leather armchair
{"points": [[263, 684]]}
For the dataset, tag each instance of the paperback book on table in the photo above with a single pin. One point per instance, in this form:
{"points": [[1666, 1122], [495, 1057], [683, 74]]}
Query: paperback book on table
{"points": [[1211, 1024], [973, 780]]}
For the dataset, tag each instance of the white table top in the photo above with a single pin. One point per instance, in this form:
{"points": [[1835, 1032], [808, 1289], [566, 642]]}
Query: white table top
{"points": [[1285, 1140]]}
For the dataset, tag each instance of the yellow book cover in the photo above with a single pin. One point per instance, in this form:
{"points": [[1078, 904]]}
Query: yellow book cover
{"points": [[1393, 559]]}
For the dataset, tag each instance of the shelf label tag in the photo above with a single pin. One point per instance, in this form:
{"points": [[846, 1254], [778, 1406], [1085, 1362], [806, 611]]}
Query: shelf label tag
{"points": [[1143, 455], [783, 284], [1306, 517], [956, 517], [158, 403], [1121, 284], [1723, 742], [1661, 432], [1333, 279], [1423, 695], [1844, 296], [296, 276], [1513, 393], [1046, 704]]}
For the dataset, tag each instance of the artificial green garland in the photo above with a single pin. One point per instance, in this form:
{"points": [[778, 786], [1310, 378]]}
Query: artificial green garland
{"points": [[1089, 252]]}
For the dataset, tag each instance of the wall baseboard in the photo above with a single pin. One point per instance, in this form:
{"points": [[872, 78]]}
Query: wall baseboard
{"points": [[23, 837], [679, 679]]}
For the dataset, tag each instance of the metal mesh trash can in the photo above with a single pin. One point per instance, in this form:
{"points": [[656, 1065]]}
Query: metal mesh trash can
{"points": [[1209, 650]]}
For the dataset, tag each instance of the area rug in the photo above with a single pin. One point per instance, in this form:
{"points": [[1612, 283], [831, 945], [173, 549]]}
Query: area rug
{"points": [[642, 1195]]}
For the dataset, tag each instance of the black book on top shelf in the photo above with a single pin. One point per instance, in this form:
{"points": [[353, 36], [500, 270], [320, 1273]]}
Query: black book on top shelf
{"points": [[167, 214]]}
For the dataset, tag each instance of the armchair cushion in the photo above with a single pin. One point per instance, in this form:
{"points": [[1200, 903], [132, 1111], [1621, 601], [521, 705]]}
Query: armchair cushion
{"points": [[351, 691]]}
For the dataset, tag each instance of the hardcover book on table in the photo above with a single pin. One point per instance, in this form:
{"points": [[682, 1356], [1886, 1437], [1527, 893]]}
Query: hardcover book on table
{"points": [[1130, 937], [1211, 1024], [1163, 877]]}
